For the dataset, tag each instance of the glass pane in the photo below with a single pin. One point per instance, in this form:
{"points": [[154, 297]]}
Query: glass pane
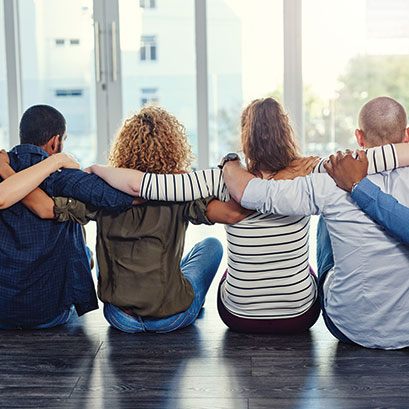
{"points": [[245, 56], [169, 64], [57, 51], [4, 131], [363, 54]]}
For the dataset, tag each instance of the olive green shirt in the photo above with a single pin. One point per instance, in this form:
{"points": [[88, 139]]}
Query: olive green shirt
{"points": [[139, 253]]}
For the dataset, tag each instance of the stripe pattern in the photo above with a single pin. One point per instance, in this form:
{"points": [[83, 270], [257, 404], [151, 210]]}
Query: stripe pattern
{"points": [[380, 159], [268, 271]]}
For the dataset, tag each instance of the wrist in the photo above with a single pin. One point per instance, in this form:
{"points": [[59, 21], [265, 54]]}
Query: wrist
{"points": [[6, 170], [230, 157], [57, 161], [354, 186]]}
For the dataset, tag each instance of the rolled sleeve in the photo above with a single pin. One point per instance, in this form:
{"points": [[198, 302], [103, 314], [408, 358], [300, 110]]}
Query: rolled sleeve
{"points": [[195, 212], [66, 208], [255, 194]]}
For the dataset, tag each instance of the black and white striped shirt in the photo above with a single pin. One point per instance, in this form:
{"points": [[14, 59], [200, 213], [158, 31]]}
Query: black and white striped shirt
{"points": [[268, 271]]}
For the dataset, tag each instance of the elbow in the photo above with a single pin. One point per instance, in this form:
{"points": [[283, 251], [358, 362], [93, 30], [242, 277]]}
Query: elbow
{"points": [[134, 189], [3, 203], [234, 217], [46, 213]]}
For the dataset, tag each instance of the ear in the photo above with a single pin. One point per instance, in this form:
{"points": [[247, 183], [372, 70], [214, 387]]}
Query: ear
{"points": [[359, 137], [406, 138], [52, 145]]}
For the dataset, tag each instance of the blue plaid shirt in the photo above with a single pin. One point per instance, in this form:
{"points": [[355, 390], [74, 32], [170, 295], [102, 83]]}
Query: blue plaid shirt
{"points": [[44, 268]]}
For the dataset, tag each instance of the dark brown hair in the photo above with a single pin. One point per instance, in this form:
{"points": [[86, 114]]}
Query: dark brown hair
{"points": [[267, 137]]}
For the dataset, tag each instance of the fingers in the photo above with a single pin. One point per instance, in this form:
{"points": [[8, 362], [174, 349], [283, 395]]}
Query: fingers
{"points": [[329, 168], [88, 169], [362, 156]]}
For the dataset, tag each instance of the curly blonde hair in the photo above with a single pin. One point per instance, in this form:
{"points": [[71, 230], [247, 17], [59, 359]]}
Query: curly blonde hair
{"points": [[152, 141]]}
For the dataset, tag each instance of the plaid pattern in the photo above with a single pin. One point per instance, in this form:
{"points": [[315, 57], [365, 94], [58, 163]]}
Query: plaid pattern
{"points": [[43, 264]]}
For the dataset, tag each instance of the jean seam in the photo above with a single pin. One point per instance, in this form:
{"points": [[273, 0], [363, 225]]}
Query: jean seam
{"points": [[120, 324]]}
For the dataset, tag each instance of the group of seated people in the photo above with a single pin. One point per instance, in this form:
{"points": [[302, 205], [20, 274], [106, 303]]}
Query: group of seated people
{"points": [[144, 200]]}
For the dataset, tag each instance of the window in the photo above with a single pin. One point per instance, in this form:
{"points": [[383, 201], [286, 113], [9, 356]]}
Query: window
{"points": [[148, 48], [239, 68], [149, 96], [360, 64], [147, 4], [55, 67], [4, 120], [68, 93], [170, 80]]}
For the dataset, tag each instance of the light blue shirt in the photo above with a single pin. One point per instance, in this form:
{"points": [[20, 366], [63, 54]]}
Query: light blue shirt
{"points": [[367, 296]]}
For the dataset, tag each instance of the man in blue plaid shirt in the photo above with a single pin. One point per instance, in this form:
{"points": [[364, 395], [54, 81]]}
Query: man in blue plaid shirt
{"points": [[44, 269]]}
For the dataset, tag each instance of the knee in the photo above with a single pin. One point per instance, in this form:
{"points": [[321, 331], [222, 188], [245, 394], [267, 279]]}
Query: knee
{"points": [[214, 247]]}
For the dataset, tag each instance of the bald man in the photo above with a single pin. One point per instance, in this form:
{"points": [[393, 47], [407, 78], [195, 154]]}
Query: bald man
{"points": [[365, 296], [382, 120]]}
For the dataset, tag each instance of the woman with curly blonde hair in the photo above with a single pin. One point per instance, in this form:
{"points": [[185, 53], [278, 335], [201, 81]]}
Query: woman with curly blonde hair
{"points": [[143, 281], [152, 141]]}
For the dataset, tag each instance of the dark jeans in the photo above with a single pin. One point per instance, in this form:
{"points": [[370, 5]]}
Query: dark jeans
{"points": [[325, 262], [270, 326]]}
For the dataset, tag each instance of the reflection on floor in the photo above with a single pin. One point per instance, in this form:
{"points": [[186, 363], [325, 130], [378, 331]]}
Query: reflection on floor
{"points": [[87, 364]]}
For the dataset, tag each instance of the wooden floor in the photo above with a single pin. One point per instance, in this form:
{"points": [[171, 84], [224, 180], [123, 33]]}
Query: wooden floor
{"points": [[87, 364]]}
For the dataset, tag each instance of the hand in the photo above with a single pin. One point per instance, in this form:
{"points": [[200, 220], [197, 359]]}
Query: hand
{"points": [[346, 170], [66, 160], [138, 201], [298, 167], [94, 168], [4, 157]]}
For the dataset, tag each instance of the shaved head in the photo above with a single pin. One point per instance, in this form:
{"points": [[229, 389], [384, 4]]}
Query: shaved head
{"points": [[382, 120]]}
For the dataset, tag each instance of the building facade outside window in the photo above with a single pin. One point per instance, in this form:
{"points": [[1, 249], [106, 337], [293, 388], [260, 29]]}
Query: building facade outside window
{"points": [[148, 50], [68, 92], [149, 96], [147, 4]]}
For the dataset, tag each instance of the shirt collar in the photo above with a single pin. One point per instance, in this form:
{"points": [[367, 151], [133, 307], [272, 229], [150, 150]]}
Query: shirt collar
{"points": [[27, 148]]}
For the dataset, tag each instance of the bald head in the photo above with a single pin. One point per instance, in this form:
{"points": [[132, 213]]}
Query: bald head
{"points": [[382, 120]]}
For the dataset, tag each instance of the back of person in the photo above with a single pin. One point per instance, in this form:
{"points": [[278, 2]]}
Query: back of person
{"points": [[44, 267], [39, 261], [367, 296], [139, 254], [268, 271]]}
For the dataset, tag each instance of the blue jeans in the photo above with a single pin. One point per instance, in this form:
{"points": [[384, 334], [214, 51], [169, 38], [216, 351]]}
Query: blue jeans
{"points": [[58, 320], [325, 262], [199, 267]]}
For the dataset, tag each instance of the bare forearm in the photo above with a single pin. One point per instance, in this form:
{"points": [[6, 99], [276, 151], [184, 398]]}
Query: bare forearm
{"points": [[125, 180], [226, 212], [37, 201], [236, 179], [402, 152], [18, 185]]}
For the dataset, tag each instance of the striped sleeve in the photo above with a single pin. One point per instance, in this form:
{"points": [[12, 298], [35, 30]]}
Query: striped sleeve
{"points": [[380, 158], [184, 187]]}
